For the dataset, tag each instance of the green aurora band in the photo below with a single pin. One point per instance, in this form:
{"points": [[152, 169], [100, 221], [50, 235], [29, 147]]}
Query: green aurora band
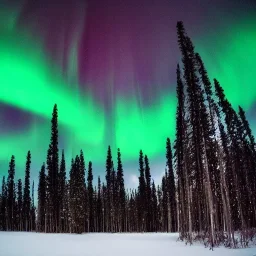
{"points": [[31, 82]]}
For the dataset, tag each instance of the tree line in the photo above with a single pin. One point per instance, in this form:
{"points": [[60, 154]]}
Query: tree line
{"points": [[207, 193], [74, 205]]}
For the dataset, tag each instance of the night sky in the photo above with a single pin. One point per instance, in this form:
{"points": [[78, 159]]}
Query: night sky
{"points": [[110, 67]]}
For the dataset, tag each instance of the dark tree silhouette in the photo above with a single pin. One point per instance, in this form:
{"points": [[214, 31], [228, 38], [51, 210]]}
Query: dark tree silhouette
{"points": [[26, 194], [172, 207], [19, 205], [11, 195], [141, 194], [62, 187], [4, 206], [53, 174], [90, 198], [41, 221], [121, 196]]}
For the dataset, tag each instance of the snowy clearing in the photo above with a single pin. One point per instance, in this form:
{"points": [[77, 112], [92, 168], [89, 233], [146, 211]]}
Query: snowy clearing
{"points": [[96, 244]]}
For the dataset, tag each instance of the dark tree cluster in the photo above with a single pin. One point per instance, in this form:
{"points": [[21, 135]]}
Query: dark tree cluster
{"points": [[207, 193], [214, 158], [17, 209], [73, 204]]}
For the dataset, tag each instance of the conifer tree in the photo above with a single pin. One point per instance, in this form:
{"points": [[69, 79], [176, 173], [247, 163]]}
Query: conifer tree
{"points": [[154, 209], [148, 196], [109, 167], [32, 211], [26, 195], [66, 211], [113, 201], [11, 195], [20, 201], [42, 200], [53, 170], [90, 197], [164, 203], [172, 209], [207, 86], [99, 207], [121, 193], [141, 194], [95, 223], [104, 208], [247, 129], [48, 215], [250, 155], [81, 191], [62, 186], [179, 152], [4, 206], [85, 191], [73, 195]]}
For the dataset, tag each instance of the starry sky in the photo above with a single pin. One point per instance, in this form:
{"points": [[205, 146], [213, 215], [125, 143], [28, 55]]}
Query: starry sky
{"points": [[110, 67]]}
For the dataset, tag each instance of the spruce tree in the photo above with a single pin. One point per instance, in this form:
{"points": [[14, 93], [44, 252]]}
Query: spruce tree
{"points": [[53, 173], [172, 211], [99, 207], [148, 196], [90, 197], [179, 153], [109, 166], [26, 195], [4, 206], [48, 208], [11, 195], [247, 129], [85, 192], [20, 201], [121, 193], [75, 203], [62, 186], [154, 209], [66, 208], [164, 204], [250, 155], [42, 200], [141, 194], [104, 208], [32, 211], [114, 202], [80, 192]]}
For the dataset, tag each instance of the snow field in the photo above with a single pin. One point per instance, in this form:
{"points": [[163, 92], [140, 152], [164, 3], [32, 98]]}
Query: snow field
{"points": [[104, 244]]}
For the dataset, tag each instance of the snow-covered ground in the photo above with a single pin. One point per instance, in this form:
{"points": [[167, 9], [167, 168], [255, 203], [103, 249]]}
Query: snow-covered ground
{"points": [[154, 244]]}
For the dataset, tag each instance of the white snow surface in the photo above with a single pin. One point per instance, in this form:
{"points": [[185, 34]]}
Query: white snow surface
{"points": [[105, 244]]}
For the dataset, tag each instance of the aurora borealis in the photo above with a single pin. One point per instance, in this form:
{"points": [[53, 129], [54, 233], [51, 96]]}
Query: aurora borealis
{"points": [[110, 67]]}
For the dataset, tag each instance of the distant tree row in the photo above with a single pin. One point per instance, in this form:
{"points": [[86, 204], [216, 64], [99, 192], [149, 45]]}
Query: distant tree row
{"points": [[207, 193], [17, 209], [75, 205]]}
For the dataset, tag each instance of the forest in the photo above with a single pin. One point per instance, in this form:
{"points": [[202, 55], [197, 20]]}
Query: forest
{"points": [[208, 192]]}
